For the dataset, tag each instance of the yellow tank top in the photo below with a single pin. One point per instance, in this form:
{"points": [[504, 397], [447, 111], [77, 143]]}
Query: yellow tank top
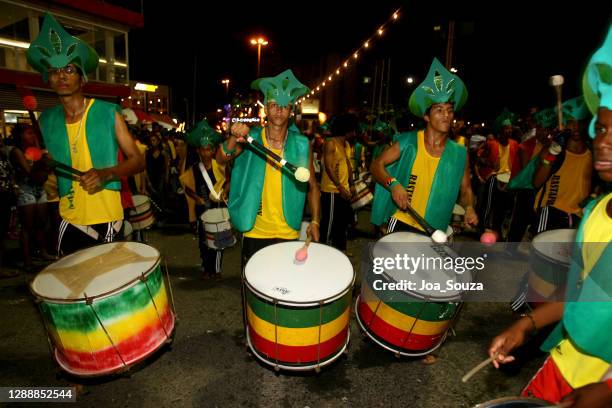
{"points": [[270, 221], [504, 159], [340, 169], [78, 206], [578, 368], [570, 185], [419, 186]]}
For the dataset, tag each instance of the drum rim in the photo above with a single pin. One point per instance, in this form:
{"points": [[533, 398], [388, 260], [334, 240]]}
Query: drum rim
{"points": [[548, 258], [512, 399], [310, 302], [101, 295]]}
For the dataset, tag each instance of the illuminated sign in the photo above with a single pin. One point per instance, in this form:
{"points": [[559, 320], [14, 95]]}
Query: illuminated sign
{"points": [[145, 87]]}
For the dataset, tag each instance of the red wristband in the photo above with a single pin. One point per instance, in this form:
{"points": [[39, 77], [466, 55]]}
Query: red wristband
{"points": [[550, 157], [390, 181], [609, 382]]}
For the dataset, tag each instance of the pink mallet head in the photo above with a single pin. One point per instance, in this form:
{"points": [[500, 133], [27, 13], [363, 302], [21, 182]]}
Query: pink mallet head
{"points": [[488, 238], [33, 153], [301, 254]]}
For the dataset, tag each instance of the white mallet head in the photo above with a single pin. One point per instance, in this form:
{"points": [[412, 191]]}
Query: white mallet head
{"points": [[439, 237], [302, 174], [556, 80]]}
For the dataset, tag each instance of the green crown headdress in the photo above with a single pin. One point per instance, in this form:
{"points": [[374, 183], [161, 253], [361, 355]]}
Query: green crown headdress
{"points": [[383, 127], [440, 86], [574, 109], [546, 118], [506, 118], [282, 89], [55, 48], [203, 135], [597, 80]]}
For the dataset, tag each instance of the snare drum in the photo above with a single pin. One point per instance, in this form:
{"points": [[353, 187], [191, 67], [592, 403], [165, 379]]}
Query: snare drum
{"points": [[409, 322], [105, 308], [514, 402], [141, 216], [502, 180], [458, 213], [298, 314], [363, 195], [127, 230], [219, 234], [549, 263]]}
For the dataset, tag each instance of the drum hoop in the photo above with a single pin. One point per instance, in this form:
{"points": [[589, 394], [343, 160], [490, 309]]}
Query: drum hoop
{"points": [[512, 399], [550, 259], [306, 304], [102, 295]]}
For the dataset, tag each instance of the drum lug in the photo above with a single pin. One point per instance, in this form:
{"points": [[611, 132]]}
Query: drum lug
{"points": [[277, 369], [317, 369], [397, 355]]}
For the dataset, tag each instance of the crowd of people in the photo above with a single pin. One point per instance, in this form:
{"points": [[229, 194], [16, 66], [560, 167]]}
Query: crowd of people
{"points": [[521, 175]]}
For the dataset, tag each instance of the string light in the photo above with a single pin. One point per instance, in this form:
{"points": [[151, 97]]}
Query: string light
{"points": [[366, 45]]}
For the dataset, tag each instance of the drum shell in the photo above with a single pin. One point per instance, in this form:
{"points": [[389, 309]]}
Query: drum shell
{"points": [[362, 197], [106, 334], [294, 336], [402, 321], [547, 276], [141, 217], [216, 220]]}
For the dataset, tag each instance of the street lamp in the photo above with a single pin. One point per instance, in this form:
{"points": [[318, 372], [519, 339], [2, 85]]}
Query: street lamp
{"points": [[410, 80], [259, 42], [226, 83]]}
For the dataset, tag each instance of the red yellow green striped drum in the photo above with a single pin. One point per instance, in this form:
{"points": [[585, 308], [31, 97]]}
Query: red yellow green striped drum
{"points": [[363, 195], [549, 264], [298, 314], [105, 308], [409, 320]]}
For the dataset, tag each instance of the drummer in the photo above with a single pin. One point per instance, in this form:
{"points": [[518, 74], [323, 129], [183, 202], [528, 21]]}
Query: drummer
{"points": [[499, 156], [579, 368], [204, 183], [337, 183], [83, 133], [267, 203], [429, 171], [563, 175]]}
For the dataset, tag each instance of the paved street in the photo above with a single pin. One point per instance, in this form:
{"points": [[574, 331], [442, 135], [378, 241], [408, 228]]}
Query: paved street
{"points": [[208, 366]]}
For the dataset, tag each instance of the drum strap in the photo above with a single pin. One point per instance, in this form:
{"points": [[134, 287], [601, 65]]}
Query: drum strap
{"points": [[208, 181]]}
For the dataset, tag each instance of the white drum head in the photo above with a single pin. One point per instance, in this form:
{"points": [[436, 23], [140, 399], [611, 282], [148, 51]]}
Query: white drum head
{"points": [[325, 275], [458, 210], [399, 243], [95, 271], [555, 244], [503, 177], [139, 200], [215, 215]]}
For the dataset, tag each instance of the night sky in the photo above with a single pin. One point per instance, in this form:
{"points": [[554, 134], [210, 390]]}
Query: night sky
{"points": [[505, 53]]}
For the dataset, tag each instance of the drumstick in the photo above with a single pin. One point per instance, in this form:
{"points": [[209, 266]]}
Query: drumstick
{"points": [[479, 367], [436, 235], [35, 154], [301, 173], [557, 82], [302, 253]]}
